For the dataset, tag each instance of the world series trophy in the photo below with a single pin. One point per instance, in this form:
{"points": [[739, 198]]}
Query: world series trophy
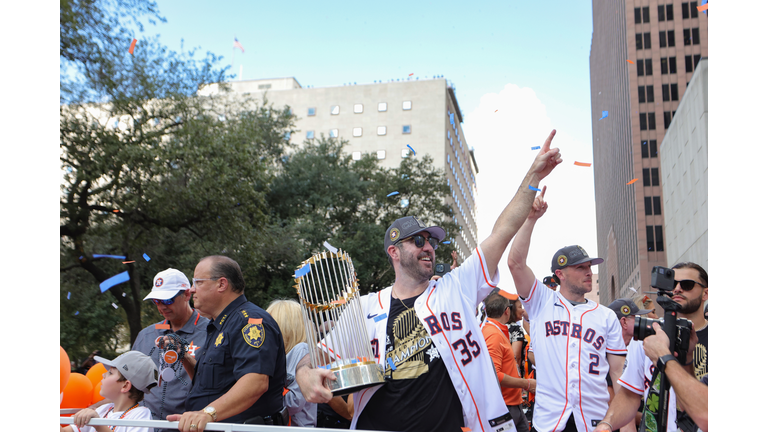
{"points": [[334, 322]]}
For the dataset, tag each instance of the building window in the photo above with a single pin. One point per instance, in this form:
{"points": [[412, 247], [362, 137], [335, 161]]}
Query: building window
{"points": [[688, 65], [673, 65], [649, 93], [358, 109], [654, 176], [637, 15], [335, 110], [646, 14], [667, 119], [659, 239], [640, 68], [641, 94], [694, 11], [662, 39], [638, 41], [357, 155], [381, 130], [673, 88], [406, 105], [664, 67], [310, 112], [648, 67], [649, 237], [685, 10], [357, 132], [646, 177], [381, 154], [644, 149], [649, 203], [661, 12], [334, 133], [665, 92], [686, 36], [404, 153], [382, 106], [657, 205], [651, 121], [310, 134], [653, 150], [671, 38], [670, 14], [643, 122], [647, 40], [695, 35], [696, 58], [406, 129]]}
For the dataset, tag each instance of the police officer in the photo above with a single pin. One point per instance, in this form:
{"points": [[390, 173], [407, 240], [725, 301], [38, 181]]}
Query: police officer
{"points": [[170, 293], [239, 374]]}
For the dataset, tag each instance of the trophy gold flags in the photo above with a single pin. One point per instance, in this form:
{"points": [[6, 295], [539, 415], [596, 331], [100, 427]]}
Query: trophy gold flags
{"points": [[334, 322]]}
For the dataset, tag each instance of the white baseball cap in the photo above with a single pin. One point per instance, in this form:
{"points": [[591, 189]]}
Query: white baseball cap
{"points": [[167, 284], [136, 367]]}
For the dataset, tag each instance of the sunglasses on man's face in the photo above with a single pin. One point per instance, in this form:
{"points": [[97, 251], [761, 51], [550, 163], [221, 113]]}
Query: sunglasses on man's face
{"points": [[687, 284], [167, 302], [419, 241]]}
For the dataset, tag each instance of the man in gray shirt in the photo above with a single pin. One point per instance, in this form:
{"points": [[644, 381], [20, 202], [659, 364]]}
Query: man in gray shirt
{"points": [[171, 295]]}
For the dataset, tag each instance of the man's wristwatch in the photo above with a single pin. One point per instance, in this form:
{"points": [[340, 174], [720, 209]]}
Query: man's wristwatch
{"points": [[661, 364], [211, 411]]}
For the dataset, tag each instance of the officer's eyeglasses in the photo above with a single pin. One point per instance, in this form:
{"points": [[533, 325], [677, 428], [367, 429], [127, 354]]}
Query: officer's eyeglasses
{"points": [[687, 284], [167, 302], [419, 240], [196, 280]]}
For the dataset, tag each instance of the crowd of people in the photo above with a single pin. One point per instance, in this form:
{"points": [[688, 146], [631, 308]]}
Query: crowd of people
{"points": [[543, 358]]}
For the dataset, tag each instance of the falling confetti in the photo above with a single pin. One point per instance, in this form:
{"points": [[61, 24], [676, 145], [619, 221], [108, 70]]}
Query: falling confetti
{"points": [[133, 45], [393, 194], [329, 247], [584, 164], [534, 188], [255, 320], [447, 242], [114, 280], [605, 114], [120, 257], [632, 181], [630, 61], [162, 326], [301, 272], [115, 211], [68, 295], [703, 7], [77, 312], [114, 305], [536, 148], [146, 257], [410, 74], [128, 262], [496, 111], [409, 146]]}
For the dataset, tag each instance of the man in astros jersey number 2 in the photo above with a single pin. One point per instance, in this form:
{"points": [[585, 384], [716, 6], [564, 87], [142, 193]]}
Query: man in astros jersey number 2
{"points": [[577, 340], [439, 374]]}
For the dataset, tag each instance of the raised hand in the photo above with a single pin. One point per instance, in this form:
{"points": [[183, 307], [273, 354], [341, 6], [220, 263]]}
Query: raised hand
{"points": [[547, 159], [539, 206]]}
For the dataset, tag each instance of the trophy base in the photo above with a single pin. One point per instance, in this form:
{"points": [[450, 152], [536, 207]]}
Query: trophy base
{"points": [[355, 377]]}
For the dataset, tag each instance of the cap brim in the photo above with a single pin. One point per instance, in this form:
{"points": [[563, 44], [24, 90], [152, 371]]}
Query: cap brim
{"points": [[595, 261], [105, 362], [436, 232], [643, 311], [162, 295]]}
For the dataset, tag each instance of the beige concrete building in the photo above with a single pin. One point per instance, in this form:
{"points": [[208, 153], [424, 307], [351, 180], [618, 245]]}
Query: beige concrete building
{"points": [[384, 119], [643, 55], [684, 174]]}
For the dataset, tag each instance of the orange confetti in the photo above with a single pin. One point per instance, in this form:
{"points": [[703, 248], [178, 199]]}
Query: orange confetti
{"points": [[632, 181], [584, 164], [163, 326], [465, 429], [630, 61], [128, 262], [702, 8], [507, 295], [410, 74], [496, 111], [115, 211], [254, 320], [133, 45]]}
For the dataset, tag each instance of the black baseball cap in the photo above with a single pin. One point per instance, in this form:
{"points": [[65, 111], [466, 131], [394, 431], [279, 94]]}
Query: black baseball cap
{"points": [[550, 280], [408, 226], [571, 256], [625, 307]]}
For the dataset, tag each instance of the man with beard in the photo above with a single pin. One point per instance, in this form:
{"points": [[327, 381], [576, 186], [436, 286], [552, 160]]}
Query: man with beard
{"points": [[577, 341], [439, 375], [639, 382]]}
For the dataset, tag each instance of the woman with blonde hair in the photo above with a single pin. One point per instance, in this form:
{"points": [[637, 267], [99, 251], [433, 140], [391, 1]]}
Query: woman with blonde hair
{"points": [[287, 313]]}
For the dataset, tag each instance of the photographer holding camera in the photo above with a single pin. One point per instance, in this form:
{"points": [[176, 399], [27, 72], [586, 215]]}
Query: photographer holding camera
{"points": [[640, 380]]}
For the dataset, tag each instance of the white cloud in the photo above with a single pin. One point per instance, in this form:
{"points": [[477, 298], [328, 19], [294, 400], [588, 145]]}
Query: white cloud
{"points": [[502, 130]]}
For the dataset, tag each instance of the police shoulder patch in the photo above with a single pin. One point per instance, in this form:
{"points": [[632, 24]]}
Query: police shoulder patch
{"points": [[254, 334]]}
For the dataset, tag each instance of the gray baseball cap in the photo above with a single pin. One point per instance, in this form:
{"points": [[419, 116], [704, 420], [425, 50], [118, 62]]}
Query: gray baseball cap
{"points": [[625, 307], [136, 367], [408, 226], [571, 256]]}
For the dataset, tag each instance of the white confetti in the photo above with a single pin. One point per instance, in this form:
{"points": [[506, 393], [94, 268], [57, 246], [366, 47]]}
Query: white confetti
{"points": [[114, 305], [329, 247]]}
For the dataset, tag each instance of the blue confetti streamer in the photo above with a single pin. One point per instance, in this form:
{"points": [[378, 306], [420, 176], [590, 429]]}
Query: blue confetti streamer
{"points": [[447, 242], [393, 194], [301, 272], [536, 148], [391, 363], [380, 317], [77, 312], [68, 295], [120, 257], [533, 188], [409, 146], [605, 114], [147, 258], [114, 280]]}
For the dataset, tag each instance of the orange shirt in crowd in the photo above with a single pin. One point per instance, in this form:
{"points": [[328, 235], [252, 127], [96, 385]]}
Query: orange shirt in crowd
{"points": [[496, 337]]}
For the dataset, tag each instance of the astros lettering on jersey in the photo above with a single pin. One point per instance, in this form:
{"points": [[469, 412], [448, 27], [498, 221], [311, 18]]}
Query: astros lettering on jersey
{"points": [[572, 343], [447, 310]]}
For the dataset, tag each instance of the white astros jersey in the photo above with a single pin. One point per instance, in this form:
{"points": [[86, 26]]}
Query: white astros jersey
{"points": [[571, 345], [447, 311], [637, 379]]}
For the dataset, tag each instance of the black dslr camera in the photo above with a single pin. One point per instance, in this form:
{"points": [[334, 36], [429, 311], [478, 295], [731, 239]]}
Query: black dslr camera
{"points": [[663, 279]]}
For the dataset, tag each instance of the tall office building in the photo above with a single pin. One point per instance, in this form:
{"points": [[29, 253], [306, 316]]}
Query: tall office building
{"points": [[643, 55], [385, 119]]}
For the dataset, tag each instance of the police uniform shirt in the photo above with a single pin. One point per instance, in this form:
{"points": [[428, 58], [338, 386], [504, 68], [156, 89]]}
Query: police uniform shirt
{"points": [[243, 339], [169, 397]]}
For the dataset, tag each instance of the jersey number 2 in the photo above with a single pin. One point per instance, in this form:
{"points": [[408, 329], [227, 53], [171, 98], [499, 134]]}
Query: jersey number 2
{"points": [[464, 350], [593, 364]]}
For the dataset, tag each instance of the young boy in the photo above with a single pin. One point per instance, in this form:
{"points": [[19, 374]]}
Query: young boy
{"points": [[126, 380]]}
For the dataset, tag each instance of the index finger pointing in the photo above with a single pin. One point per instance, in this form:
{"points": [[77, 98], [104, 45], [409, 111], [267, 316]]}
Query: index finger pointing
{"points": [[543, 191], [548, 142]]}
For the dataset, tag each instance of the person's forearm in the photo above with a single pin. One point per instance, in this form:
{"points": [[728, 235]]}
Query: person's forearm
{"points": [[623, 408], [522, 275], [691, 394], [510, 382], [340, 407], [246, 391], [189, 363]]}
